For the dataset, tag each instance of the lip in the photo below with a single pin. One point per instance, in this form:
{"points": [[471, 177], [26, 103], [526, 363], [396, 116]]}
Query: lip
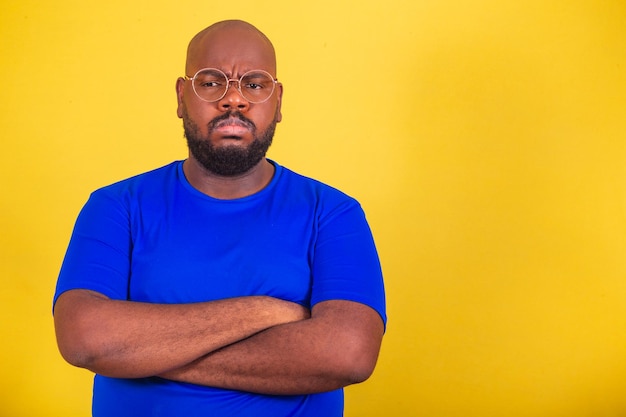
{"points": [[232, 130], [232, 127]]}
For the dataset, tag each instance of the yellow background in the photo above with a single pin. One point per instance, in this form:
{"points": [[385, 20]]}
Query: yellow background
{"points": [[485, 140]]}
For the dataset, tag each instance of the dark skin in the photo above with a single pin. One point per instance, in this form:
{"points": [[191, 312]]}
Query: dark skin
{"points": [[233, 48], [255, 344]]}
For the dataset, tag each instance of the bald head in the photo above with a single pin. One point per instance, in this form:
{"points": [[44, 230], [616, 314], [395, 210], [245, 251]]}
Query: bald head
{"points": [[234, 41]]}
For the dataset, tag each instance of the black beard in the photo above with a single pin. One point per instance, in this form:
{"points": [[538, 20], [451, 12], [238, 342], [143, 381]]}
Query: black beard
{"points": [[227, 161]]}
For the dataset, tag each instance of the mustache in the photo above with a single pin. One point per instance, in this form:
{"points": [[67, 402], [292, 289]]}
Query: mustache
{"points": [[232, 117]]}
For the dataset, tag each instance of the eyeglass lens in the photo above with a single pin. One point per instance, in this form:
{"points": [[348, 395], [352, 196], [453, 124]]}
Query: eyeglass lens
{"points": [[212, 84]]}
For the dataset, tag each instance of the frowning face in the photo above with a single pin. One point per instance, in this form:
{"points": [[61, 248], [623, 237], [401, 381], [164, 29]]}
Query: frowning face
{"points": [[231, 135]]}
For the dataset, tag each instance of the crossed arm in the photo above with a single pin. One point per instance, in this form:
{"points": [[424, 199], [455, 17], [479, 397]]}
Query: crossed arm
{"points": [[256, 344]]}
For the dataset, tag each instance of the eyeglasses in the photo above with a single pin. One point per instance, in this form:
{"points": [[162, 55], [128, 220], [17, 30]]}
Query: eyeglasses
{"points": [[211, 84]]}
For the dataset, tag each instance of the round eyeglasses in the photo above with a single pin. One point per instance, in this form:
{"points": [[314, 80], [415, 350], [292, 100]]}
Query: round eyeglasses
{"points": [[211, 84]]}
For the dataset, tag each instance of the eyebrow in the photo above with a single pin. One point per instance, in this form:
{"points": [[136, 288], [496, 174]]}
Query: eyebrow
{"points": [[230, 75]]}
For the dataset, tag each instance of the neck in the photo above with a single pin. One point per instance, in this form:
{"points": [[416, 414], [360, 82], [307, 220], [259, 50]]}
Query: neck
{"points": [[228, 188]]}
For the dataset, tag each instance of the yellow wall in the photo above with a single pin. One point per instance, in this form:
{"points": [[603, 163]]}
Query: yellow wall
{"points": [[485, 139]]}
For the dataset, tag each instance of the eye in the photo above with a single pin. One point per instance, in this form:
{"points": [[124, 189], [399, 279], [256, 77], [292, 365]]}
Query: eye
{"points": [[209, 84], [210, 79], [256, 82], [254, 86]]}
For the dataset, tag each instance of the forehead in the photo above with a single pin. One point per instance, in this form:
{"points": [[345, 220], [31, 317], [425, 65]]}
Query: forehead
{"points": [[231, 49]]}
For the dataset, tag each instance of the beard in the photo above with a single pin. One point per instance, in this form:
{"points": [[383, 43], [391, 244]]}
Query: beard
{"points": [[227, 161]]}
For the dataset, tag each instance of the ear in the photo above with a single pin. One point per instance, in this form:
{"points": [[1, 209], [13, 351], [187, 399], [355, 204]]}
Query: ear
{"points": [[180, 88], [279, 101]]}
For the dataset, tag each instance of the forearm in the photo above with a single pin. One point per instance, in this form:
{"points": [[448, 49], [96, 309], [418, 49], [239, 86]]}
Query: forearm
{"points": [[130, 340], [338, 346]]}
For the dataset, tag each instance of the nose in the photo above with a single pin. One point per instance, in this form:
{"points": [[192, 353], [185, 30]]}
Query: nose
{"points": [[233, 100]]}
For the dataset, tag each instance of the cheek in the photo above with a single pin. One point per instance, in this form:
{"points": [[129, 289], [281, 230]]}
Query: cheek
{"points": [[266, 116], [194, 125], [199, 116]]}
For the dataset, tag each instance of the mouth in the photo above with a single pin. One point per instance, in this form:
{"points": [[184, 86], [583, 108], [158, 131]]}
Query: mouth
{"points": [[232, 128]]}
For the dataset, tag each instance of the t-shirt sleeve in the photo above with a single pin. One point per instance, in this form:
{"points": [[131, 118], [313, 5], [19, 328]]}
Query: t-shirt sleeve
{"points": [[99, 253], [346, 264]]}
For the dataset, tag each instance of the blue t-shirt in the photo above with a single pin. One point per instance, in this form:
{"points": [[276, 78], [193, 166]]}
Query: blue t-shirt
{"points": [[155, 238]]}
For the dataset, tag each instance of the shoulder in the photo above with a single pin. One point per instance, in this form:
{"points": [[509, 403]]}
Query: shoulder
{"points": [[306, 196], [145, 188], [141, 183], [309, 187]]}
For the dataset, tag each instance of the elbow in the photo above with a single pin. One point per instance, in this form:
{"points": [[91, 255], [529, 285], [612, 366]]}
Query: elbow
{"points": [[362, 367], [76, 356], [353, 335], [361, 374], [80, 330], [77, 347], [78, 340], [355, 364]]}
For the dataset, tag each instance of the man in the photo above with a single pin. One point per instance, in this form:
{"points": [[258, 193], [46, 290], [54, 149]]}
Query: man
{"points": [[225, 284]]}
